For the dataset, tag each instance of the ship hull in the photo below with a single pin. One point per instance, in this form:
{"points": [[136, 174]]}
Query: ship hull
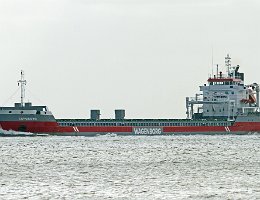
{"points": [[53, 128]]}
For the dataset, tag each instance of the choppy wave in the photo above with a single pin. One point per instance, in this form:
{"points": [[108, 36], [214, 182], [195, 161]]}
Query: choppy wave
{"points": [[159, 167]]}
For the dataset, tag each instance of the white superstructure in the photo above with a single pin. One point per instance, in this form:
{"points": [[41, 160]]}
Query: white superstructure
{"points": [[225, 96]]}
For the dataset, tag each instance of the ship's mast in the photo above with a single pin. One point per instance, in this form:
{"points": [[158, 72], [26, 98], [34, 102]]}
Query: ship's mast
{"points": [[228, 64], [22, 83]]}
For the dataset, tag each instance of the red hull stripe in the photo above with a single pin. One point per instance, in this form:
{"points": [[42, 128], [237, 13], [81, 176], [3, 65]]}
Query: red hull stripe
{"points": [[98, 129], [29, 126], [194, 129], [53, 127]]}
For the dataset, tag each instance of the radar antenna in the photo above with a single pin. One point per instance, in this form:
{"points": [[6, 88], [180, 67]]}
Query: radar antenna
{"points": [[22, 83]]}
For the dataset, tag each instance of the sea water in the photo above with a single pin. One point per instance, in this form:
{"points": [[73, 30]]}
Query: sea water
{"points": [[130, 167]]}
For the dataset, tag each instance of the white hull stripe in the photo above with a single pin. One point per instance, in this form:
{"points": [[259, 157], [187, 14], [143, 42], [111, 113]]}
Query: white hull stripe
{"points": [[75, 129], [227, 129]]}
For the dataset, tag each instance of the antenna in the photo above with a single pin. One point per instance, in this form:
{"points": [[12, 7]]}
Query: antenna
{"points": [[212, 62], [22, 83], [217, 70]]}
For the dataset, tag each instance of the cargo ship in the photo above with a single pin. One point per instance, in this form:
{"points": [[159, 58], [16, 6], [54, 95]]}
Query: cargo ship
{"points": [[225, 105]]}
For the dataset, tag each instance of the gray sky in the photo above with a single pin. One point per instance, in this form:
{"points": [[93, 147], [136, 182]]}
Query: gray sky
{"points": [[144, 56]]}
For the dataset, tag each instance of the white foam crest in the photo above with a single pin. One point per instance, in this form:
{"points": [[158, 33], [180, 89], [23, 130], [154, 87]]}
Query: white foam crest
{"points": [[14, 133]]}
